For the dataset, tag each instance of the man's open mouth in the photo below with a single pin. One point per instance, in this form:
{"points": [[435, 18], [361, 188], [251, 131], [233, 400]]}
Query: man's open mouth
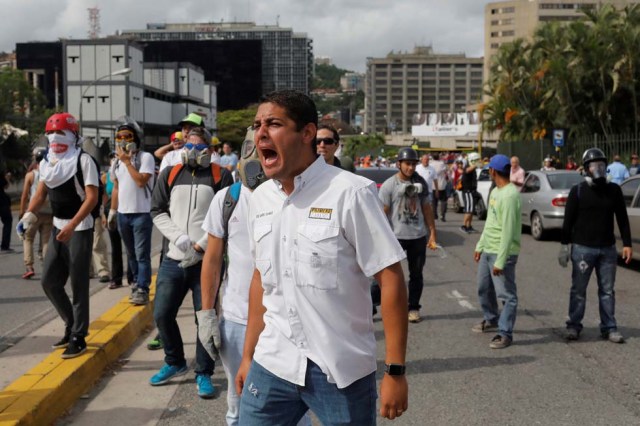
{"points": [[270, 156]]}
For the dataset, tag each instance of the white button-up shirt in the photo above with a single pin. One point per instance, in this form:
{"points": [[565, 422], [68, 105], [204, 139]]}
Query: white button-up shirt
{"points": [[315, 249]]}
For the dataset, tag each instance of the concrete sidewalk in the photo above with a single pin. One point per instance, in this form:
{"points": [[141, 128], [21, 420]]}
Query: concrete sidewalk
{"points": [[38, 386]]}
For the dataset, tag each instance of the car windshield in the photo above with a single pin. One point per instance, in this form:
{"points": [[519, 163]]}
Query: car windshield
{"points": [[564, 180]]}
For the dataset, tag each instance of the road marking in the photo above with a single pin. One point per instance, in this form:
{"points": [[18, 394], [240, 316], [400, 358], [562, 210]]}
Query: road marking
{"points": [[462, 300]]}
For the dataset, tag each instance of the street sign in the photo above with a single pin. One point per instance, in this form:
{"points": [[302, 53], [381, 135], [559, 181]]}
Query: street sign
{"points": [[558, 138]]}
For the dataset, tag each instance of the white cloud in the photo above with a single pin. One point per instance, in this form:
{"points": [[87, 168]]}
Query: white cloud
{"points": [[349, 31]]}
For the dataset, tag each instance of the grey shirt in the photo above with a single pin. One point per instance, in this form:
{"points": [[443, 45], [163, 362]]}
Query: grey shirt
{"points": [[405, 216]]}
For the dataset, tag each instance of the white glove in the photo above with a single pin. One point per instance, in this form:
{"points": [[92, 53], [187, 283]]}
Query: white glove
{"points": [[112, 220], [28, 220], [191, 257], [209, 332], [564, 255], [183, 242]]}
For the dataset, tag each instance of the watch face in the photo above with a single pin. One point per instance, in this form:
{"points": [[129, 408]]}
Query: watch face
{"points": [[395, 369]]}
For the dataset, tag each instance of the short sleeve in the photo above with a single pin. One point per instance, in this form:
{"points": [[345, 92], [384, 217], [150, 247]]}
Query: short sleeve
{"points": [[147, 165], [213, 220], [89, 171], [367, 229], [385, 192]]}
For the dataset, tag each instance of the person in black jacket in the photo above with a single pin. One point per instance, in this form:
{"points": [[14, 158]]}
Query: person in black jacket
{"points": [[588, 226]]}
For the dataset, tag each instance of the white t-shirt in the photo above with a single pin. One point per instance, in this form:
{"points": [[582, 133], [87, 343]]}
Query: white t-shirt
{"points": [[171, 158], [91, 178], [132, 198], [237, 280], [428, 174], [441, 174]]}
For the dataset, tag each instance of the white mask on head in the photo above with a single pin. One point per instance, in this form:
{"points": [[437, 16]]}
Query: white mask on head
{"points": [[62, 160]]}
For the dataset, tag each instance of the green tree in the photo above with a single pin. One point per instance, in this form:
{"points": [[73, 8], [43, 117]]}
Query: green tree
{"points": [[582, 76], [361, 144], [22, 106], [232, 125], [327, 77]]}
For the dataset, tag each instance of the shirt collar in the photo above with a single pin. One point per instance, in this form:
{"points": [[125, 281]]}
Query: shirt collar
{"points": [[308, 175]]}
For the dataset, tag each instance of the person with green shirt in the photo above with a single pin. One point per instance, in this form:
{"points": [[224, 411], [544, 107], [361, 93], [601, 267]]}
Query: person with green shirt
{"points": [[497, 254]]}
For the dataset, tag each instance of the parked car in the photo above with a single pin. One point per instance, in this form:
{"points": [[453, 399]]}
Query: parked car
{"points": [[482, 195], [631, 193], [544, 196], [377, 174]]}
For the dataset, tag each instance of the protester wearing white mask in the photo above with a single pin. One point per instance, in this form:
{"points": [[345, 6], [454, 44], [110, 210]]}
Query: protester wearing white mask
{"points": [[70, 179]]}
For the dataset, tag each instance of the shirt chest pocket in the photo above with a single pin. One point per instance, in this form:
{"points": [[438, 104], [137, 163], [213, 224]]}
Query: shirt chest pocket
{"points": [[317, 260], [262, 237]]}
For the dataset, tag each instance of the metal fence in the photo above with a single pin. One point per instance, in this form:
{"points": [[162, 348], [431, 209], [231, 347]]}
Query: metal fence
{"points": [[532, 153]]}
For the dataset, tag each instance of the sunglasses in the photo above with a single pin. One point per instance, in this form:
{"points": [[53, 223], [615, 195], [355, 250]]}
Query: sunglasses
{"points": [[127, 137], [326, 141], [198, 146]]}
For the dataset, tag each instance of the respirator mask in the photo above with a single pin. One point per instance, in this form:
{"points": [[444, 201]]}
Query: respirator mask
{"points": [[195, 155], [125, 140], [597, 171], [412, 189], [249, 167]]}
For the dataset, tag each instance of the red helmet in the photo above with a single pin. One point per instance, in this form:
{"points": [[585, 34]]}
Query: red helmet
{"points": [[62, 121]]}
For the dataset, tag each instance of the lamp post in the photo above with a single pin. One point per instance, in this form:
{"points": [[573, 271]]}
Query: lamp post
{"points": [[123, 71]]}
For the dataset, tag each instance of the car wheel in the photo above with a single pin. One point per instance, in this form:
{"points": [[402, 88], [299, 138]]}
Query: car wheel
{"points": [[481, 210], [537, 228]]}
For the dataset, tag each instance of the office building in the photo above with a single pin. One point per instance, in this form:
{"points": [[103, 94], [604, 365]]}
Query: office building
{"points": [[352, 82], [286, 59], [402, 85], [506, 21]]}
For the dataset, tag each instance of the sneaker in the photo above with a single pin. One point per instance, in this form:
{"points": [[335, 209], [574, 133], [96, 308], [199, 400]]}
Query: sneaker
{"points": [[414, 316], [484, 327], [572, 334], [134, 289], [140, 297], [500, 342], [471, 230], [205, 387], [76, 347], [105, 279], [115, 284], [62, 343], [155, 344], [614, 336], [443, 219], [166, 373], [28, 274], [464, 229], [7, 250]]}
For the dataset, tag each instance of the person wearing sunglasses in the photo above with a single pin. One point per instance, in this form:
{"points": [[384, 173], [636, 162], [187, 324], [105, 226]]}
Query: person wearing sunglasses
{"points": [[179, 205], [327, 143], [133, 176]]}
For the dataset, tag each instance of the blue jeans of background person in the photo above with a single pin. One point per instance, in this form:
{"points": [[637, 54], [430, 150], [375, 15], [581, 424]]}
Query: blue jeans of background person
{"points": [[584, 259], [172, 285], [416, 257], [503, 287], [135, 230], [270, 400]]}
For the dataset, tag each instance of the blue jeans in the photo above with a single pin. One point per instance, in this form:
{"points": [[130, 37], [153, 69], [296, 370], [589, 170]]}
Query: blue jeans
{"points": [[584, 259], [135, 230], [172, 285], [270, 400], [503, 287]]}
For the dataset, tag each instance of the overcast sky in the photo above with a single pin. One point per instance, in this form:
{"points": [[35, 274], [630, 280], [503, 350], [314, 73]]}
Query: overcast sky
{"points": [[348, 31]]}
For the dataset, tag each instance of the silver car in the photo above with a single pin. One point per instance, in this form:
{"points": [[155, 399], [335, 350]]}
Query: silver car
{"points": [[631, 193], [544, 196]]}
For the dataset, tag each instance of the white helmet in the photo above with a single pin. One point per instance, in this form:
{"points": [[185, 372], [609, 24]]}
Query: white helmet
{"points": [[473, 157]]}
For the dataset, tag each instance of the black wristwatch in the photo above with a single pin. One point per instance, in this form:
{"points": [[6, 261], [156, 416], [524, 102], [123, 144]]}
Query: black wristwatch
{"points": [[394, 369]]}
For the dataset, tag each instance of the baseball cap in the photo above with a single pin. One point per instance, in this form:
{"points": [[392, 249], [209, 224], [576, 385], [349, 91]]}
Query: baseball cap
{"points": [[176, 136], [500, 163], [192, 118]]}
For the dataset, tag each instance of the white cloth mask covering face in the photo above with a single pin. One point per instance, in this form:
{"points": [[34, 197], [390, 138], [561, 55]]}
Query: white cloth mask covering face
{"points": [[62, 160]]}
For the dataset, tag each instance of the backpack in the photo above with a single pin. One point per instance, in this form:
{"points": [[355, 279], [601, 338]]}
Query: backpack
{"points": [[230, 203], [95, 213], [216, 174]]}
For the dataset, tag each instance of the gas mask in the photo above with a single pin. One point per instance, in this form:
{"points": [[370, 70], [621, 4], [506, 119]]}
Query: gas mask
{"points": [[195, 155], [412, 189], [249, 167], [597, 173], [126, 140]]}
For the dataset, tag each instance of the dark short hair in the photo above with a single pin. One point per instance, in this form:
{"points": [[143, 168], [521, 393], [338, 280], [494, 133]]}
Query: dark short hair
{"points": [[299, 107], [336, 135]]}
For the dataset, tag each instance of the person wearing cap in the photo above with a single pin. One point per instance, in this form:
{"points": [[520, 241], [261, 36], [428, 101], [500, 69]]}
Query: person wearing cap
{"points": [[69, 178], [617, 171], [170, 153], [497, 254], [406, 202], [45, 218], [547, 165], [133, 174], [588, 240], [634, 168]]}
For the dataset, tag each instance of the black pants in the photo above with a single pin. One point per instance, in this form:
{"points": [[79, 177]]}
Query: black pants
{"points": [[416, 257], [7, 223], [117, 270], [70, 260]]}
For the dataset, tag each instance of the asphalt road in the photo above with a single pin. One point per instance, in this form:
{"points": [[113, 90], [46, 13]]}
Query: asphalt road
{"points": [[23, 305], [456, 379]]}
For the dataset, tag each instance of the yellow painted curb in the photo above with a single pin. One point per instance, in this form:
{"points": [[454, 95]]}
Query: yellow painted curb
{"points": [[50, 388]]}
